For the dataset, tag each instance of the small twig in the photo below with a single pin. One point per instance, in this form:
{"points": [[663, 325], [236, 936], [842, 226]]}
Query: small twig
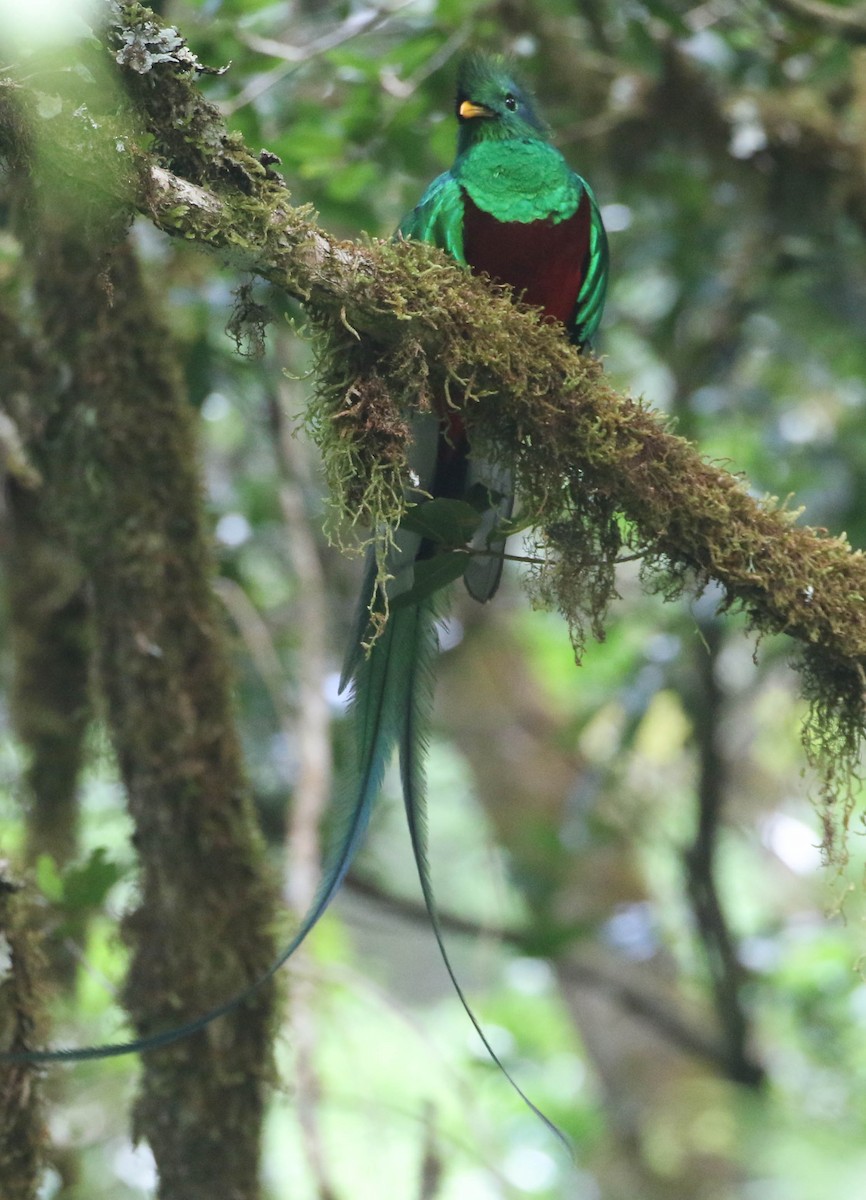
{"points": [[403, 88], [848, 22], [257, 638], [14, 458], [74, 951], [540, 562], [292, 57]]}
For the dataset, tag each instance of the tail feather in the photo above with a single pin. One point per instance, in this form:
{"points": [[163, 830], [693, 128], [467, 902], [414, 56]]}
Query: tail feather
{"points": [[378, 702], [412, 748], [391, 705]]}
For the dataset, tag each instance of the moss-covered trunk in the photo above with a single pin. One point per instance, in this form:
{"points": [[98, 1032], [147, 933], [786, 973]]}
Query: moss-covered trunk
{"points": [[119, 462], [21, 1125], [50, 637]]}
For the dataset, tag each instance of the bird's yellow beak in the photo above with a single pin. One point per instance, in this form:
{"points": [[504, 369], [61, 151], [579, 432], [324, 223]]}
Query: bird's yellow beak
{"points": [[468, 110]]}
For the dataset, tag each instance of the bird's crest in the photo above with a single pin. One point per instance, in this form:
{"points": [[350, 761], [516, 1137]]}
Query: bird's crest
{"points": [[493, 102]]}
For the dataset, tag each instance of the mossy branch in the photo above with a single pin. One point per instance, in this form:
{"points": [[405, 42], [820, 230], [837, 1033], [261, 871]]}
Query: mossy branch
{"points": [[398, 323], [401, 321]]}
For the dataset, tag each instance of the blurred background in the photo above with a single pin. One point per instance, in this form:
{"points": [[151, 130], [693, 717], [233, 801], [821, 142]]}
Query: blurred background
{"points": [[625, 851]]}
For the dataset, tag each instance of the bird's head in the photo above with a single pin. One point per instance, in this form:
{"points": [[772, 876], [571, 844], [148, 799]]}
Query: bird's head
{"points": [[492, 105]]}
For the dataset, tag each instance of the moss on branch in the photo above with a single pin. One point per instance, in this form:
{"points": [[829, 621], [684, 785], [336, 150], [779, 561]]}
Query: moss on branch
{"points": [[396, 323], [596, 469]]}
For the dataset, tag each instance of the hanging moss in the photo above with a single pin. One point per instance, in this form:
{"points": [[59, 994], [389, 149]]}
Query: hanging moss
{"points": [[598, 473], [398, 323]]}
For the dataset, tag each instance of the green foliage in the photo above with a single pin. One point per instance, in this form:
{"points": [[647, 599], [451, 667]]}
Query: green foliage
{"points": [[78, 888], [724, 140]]}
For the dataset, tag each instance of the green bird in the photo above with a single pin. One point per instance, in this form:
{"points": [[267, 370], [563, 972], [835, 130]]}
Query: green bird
{"points": [[512, 208]]}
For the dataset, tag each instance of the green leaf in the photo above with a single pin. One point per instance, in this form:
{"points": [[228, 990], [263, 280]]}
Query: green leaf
{"points": [[79, 887], [87, 886], [447, 522], [431, 575], [49, 879]]}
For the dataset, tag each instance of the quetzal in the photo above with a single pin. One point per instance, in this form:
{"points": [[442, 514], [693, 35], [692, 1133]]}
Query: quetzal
{"points": [[510, 207]]}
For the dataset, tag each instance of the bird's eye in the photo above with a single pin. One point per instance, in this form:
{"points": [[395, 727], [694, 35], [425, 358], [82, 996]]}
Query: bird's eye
{"points": [[510, 102]]}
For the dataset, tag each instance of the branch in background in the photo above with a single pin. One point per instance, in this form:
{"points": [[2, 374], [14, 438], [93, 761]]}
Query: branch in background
{"points": [[312, 790], [51, 641], [848, 22], [50, 631], [306, 729], [674, 1029], [363, 21], [725, 971]]}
